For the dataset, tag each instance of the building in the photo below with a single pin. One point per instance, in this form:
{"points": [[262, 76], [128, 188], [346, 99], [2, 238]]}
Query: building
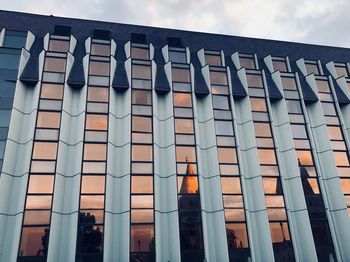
{"points": [[122, 142]]}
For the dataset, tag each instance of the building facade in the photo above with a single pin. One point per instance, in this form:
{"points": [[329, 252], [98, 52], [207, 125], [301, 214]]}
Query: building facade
{"points": [[131, 143]]}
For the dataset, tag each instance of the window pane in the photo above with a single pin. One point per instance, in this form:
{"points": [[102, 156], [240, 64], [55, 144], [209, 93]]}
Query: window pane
{"points": [[185, 139], [329, 109], [185, 154], [96, 122], [247, 62], [141, 124], [218, 78], [95, 151], [345, 184], [48, 119], [279, 232], [46, 134], [183, 112], [141, 238], [341, 158], [221, 102], [58, 45], [312, 69], [258, 104], [230, 185], [40, 184], [99, 68], [234, 215], [214, 60], [227, 155], [262, 129], [51, 91], [92, 202], [142, 216], [95, 136], [93, 184], [224, 128], [267, 156], [141, 97], [97, 94], [145, 201], [55, 64], [184, 126], [187, 184], [279, 66], [341, 71], [50, 105], [225, 141], [45, 150], [304, 157], [181, 75], [141, 184], [98, 49], [274, 201], [139, 71], [139, 53], [142, 138], [141, 168], [94, 167], [272, 185], [334, 133], [97, 107], [177, 57], [32, 217], [294, 106], [239, 235], [182, 100], [298, 131], [222, 90], [227, 170], [254, 81], [288, 83], [142, 153], [232, 201], [38, 202], [43, 166], [31, 241], [323, 86]]}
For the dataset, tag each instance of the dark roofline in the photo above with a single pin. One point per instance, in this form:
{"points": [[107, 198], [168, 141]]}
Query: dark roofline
{"points": [[81, 28]]}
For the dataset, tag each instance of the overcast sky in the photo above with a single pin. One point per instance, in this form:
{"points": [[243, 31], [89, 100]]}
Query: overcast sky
{"points": [[325, 22]]}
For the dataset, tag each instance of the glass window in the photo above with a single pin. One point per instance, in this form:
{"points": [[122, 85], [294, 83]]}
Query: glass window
{"points": [[143, 201], [58, 45], [218, 78], [31, 241], [182, 100], [221, 102], [341, 158], [312, 69], [227, 155], [43, 166], [279, 232], [239, 232], [232, 201], [187, 184], [224, 128], [98, 49], [142, 153], [142, 138], [328, 109], [214, 60], [262, 129], [184, 126], [141, 238], [181, 75], [177, 57], [254, 80], [140, 53], [267, 156], [40, 184], [96, 107], [142, 72], [304, 158], [185, 154], [97, 94], [323, 86], [55, 64], [45, 150], [185, 139], [99, 68], [141, 216], [51, 91], [294, 106], [334, 133], [94, 167], [222, 114], [141, 124], [272, 185], [96, 122], [141, 97], [53, 105], [341, 71], [48, 120], [258, 104], [141, 184], [142, 168], [93, 202], [46, 134], [219, 90], [225, 141], [38, 202], [288, 83], [298, 131], [279, 65], [92, 184], [36, 217], [230, 185], [264, 142], [95, 151], [247, 62]]}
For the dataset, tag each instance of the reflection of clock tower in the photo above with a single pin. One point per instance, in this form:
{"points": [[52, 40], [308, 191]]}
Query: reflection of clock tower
{"points": [[190, 210]]}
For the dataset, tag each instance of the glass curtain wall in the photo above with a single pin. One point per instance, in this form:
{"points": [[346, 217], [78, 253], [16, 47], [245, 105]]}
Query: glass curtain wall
{"points": [[93, 175], [308, 172], [38, 205]]}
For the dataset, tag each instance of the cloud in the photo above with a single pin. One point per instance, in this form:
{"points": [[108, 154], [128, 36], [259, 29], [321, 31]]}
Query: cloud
{"points": [[311, 21]]}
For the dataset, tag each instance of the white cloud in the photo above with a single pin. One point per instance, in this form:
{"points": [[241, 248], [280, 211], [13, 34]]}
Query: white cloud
{"points": [[312, 21]]}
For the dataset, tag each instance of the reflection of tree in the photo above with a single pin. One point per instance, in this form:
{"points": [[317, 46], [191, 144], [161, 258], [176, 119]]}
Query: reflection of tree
{"points": [[90, 237], [45, 241]]}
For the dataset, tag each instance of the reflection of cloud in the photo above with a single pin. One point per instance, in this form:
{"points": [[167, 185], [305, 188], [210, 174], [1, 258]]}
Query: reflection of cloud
{"points": [[314, 21]]}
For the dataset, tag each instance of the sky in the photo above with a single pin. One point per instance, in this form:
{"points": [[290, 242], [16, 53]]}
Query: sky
{"points": [[324, 22]]}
